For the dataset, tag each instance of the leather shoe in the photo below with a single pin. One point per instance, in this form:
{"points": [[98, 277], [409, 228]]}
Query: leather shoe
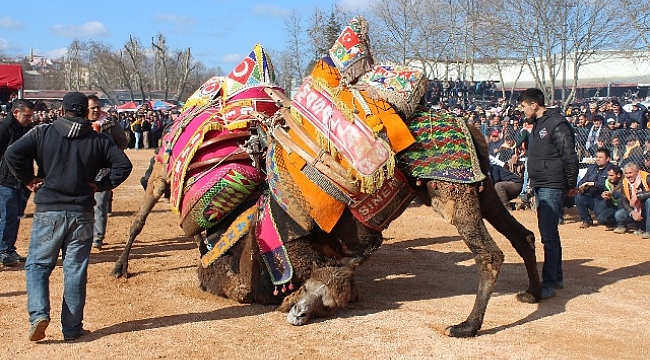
{"points": [[77, 336], [37, 329], [585, 225]]}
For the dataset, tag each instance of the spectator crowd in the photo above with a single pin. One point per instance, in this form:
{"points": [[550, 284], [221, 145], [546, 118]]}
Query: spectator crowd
{"points": [[613, 147], [144, 127]]}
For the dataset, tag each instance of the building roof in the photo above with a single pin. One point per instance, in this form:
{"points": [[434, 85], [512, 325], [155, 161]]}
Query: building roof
{"points": [[55, 94]]}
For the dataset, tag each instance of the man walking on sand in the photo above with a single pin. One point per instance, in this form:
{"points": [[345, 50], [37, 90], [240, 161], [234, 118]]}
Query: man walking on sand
{"points": [[69, 154]]}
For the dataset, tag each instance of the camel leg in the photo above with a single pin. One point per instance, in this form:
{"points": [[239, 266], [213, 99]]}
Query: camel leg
{"points": [[237, 275], [459, 203], [522, 239], [155, 189], [199, 239]]}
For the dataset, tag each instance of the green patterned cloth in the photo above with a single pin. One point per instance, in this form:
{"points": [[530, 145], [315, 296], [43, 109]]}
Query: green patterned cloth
{"points": [[443, 149]]}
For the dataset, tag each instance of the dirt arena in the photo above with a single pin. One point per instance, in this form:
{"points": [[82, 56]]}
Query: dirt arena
{"points": [[421, 280]]}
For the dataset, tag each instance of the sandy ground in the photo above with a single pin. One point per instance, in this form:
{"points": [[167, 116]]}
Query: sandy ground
{"points": [[420, 281]]}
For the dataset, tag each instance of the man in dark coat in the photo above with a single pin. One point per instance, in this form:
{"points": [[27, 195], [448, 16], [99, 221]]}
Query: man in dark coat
{"points": [[69, 154], [13, 194], [553, 174]]}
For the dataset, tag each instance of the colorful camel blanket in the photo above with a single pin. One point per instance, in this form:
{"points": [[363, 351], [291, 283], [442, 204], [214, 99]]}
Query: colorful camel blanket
{"points": [[362, 133], [271, 247], [239, 227], [351, 50], [340, 127], [402, 86], [205, 152], [377, 210], [443, 149]]}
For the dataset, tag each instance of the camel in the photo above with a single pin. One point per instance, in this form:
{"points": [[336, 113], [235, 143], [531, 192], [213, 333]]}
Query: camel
{"points": [[324, 261], [237, 274]]}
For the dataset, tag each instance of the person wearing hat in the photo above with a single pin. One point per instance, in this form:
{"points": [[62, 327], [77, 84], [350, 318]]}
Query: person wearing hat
{"points": [[595, 134], [69, 154], [621, 118], [494, 142], [638, 114]]}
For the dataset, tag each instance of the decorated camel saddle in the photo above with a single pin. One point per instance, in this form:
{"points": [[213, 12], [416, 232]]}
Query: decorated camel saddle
{"points": [[210, 150], [350, 136], [356, 130]]}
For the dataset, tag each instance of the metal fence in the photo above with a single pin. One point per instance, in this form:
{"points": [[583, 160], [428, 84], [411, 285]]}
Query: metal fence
{"points": [[625, 145]]}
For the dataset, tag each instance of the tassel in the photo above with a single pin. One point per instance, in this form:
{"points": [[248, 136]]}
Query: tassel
{"points": [[290, 286], [418, 182], [374, 123], [275, 292], [284, 289]]}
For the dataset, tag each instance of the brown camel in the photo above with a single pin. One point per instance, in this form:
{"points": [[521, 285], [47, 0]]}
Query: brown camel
{"points": [[324, 262], [238, 276]]}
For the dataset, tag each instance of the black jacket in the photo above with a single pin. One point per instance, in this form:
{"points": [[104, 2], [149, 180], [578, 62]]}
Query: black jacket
{"points": [[10, 131], [499, 174], [552, 159], [69, 155]]}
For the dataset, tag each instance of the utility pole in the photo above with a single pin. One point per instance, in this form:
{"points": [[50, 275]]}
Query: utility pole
{"points": [[564, 51]]}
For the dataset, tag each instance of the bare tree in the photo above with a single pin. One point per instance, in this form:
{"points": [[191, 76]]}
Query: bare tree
{"points": [[296, 44], [161, 76], [184, 61], [137, 57], [284, 74], [104, 69], [395, 27], [591, 26], [74, 65]]}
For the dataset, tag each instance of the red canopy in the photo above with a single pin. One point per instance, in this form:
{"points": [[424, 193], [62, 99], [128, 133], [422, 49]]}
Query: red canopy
{"points": [[11, 76], [130, 106]]}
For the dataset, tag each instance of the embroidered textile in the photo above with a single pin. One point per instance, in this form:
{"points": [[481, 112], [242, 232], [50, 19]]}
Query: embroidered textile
{"points": [[443, 149]]}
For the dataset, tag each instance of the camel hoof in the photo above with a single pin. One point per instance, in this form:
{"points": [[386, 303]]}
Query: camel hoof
{"points": [[462, 330], [119, 271], [527, 298]]}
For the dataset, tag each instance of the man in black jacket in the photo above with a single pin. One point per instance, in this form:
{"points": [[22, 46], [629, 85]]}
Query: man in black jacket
{"points": [[13, 194], [69, 154], [553, 173]]}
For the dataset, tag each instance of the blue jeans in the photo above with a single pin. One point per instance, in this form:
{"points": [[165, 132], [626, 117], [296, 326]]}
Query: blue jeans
{"points": [[12, 207], [138, 140], [584, 203], [607, 216], [525, 187], [102, 202], [623, 217], [71, 233], [549, 206]]}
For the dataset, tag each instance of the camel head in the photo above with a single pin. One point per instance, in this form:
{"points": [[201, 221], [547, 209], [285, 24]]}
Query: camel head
{"points": [[329, 289]]}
